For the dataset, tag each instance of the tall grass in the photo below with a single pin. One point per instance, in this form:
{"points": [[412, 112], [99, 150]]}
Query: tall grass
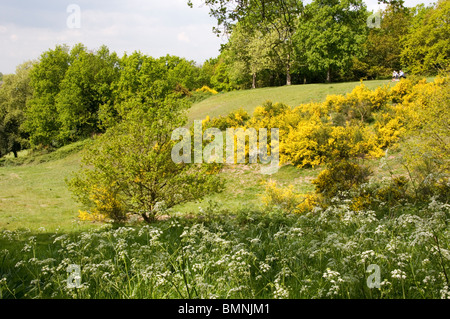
{"points": [[250, 254]]}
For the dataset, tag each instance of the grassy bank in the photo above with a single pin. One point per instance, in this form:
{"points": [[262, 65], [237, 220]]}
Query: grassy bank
{"points": [[224, 103]]}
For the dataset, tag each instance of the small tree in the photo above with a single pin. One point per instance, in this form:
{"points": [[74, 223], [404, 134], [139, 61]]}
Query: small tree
{"points": [[129, 169], [249, 53]]}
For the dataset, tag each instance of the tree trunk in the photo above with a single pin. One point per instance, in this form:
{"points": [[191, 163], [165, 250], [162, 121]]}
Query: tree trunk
{"points": [[148, 219], [288, 74], [329, 75], [254, 81], [304, 80], [15, 153]]}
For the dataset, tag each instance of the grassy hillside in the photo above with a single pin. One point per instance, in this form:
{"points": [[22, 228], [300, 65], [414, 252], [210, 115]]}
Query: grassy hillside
{"points": [[224, 103], [33, 191], [35, 194]]}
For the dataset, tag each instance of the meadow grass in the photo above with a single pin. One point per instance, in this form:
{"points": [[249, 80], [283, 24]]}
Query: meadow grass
{"points": [[245, 185], [35, 195], [248, 254]]}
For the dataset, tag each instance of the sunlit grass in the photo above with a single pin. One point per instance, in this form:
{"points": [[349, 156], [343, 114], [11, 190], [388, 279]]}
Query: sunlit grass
{"points": [[224, 103]]}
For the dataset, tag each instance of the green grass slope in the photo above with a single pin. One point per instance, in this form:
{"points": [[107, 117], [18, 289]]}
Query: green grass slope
{"points": [[224, 103], [35, 194]]}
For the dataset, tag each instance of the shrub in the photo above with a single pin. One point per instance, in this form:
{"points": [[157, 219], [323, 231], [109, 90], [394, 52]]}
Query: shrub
{"points": [[206, 89], [93, 217], [129, 169], [284, 198], [235, 119], [426, 153], [339, 177]]}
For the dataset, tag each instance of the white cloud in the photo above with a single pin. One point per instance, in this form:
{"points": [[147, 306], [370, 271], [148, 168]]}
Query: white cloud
{"points": [[182, 37], [155, 28]]}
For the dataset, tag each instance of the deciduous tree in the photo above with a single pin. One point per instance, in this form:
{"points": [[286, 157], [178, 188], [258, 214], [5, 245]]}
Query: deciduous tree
{"points": [[14, 94], [331, 33], [427, 44]]}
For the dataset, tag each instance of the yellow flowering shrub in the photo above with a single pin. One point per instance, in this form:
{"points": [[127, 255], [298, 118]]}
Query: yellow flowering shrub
{"points": [[379, 98], [360, 93], [308, 203], [106, 203], [340, 176], [396, 190], [286, 198], [305, 145], [92, 217], [388, 130], [359, 103], [335, 102], [314, 110], [362, 123], [206, 89], [235, 119], [276, 115], [361, 202], [402, 88]]}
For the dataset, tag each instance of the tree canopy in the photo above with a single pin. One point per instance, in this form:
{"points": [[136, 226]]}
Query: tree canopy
{"points": [[15, 92]]}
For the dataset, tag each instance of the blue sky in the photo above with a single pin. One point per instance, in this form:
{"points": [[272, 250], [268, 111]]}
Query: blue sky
{"points": [[154, 27]]}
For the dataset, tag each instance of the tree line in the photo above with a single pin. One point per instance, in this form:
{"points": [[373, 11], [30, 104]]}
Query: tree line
{"points": [[72, 93], [283, 42]]}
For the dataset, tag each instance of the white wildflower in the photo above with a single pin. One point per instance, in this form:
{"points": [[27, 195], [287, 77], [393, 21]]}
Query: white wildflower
{"points": [[264, 267], [398, 274], [445, 292], [366, 255]]}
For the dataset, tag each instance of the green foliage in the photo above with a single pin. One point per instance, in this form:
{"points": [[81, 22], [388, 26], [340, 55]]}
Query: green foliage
{"points": [[384, 45], [264, 27], [331, 34], [129, 170], [248, 53], [182, 72], [427, 43], [42, 121], [145, 83], [78, 92], [220, 77], [15, 92], [340, 177], [426, 152], [421, 123], [86, 87]]}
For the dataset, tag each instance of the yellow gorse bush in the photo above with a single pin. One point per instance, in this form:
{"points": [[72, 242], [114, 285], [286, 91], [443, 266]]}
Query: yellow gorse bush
{"points": [[207, 89], [106, 203], [92, 217], [287, 199], [360, 124]]}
